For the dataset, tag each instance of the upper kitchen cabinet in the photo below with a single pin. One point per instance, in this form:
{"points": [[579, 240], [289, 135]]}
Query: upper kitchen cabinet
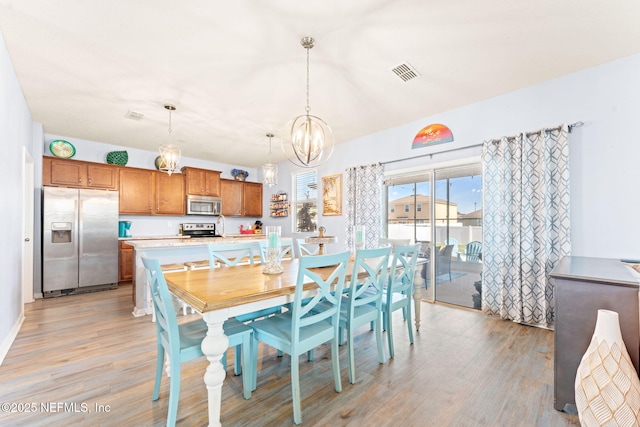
{"points": [[201, 182], [136, 191], [252, 199], [147, 192], [79, 174], [169, 190], [241, 198]]}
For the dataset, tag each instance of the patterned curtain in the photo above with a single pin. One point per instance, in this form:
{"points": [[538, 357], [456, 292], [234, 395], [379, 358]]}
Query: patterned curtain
{"points": [[364, 202], [525, 223]]}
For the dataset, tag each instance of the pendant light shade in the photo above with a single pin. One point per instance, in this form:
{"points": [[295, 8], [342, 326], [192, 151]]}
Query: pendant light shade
{"points": [[269, 170], [309, 139], [169, 153]]}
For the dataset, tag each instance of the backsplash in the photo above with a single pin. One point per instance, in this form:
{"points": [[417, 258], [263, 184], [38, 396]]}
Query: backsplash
{"points": [[151, 226]]}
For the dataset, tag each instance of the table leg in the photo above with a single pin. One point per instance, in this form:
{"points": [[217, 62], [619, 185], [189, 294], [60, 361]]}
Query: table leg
{"points": [[213, 346], [417, 295]]}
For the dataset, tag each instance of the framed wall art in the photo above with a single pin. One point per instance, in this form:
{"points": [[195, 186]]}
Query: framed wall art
{"points": [[332, 195], [431, 135]]}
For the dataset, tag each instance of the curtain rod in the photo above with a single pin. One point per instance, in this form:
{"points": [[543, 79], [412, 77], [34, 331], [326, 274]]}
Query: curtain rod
{"points": [[571, 126]]}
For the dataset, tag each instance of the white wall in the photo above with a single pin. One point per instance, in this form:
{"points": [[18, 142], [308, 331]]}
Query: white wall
{"points": [[604, 153], [16, 131]]}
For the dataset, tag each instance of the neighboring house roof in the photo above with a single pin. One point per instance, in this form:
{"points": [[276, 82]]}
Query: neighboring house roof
{"points": [[420, 198]]}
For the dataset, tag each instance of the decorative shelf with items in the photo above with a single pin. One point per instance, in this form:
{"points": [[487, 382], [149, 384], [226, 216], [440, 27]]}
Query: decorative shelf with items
{"points": [[279, 205]]}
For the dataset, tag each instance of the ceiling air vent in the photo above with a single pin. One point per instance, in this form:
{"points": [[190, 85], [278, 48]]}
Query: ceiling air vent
{"points": [[405, 71], [133, 115]]}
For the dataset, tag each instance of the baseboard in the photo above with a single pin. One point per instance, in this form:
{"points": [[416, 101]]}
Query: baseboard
{"points": [[8, 341]]}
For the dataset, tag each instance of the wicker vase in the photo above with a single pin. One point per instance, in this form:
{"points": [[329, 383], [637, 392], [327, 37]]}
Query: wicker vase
{"points": [[607, 384]]}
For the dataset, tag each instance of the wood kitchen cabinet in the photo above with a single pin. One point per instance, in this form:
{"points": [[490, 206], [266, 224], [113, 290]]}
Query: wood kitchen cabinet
{"points": [[241, 198], [252, 199], [136, 191], [169, 191], [125, 262], [147, 192], [79, 174], [201, 182]]}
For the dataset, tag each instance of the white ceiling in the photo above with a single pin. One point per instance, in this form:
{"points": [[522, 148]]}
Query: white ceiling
{"points": [[236, 69]]}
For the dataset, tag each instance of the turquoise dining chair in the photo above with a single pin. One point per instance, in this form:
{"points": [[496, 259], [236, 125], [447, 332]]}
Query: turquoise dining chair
{"points": [[231, 255], [286, 249], [182, 342], [302, 248], [363, 303], [397, 294], [301, 329]]}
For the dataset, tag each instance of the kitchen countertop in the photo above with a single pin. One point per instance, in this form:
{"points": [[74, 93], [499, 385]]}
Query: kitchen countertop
{"points": [[152, 237], [152, 242]]}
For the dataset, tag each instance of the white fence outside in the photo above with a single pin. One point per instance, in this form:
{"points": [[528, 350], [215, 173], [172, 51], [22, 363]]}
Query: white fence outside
{"points": [[463, 234]]}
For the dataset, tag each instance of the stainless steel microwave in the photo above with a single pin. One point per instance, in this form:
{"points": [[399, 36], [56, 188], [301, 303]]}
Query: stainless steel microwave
{"points": [[203, 205]]}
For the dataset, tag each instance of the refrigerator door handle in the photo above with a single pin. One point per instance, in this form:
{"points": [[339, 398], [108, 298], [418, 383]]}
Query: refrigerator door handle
{"points": [[79, 227]]}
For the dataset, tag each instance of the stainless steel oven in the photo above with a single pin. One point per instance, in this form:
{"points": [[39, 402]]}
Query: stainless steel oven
{"points": [[203, 205]]}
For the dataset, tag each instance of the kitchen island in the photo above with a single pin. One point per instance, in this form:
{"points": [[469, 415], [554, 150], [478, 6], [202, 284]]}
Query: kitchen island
{"points": [[172, 250]]}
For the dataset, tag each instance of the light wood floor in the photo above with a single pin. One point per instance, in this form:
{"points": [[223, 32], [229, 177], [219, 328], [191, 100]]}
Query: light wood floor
{"points": [[465, 369]]}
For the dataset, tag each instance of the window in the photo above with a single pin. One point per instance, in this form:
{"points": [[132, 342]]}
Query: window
{"points": [[305, 193], [419, 207], [406, 208], [393, 209]]}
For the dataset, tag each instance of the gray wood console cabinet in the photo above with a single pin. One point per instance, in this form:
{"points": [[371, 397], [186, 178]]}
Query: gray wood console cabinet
{"points": [[582, 286]]}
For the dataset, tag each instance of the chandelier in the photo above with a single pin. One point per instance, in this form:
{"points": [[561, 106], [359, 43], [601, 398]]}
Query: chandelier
{"points": [[269, 170], [310, 138], [169, 153]]}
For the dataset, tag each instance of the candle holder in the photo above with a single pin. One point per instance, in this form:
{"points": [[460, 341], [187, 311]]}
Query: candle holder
{"points": [[273, 261]]}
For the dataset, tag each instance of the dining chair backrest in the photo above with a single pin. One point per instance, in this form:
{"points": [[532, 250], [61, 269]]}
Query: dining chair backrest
{"points": [[302, 248], [370, 273], [230, 254], [454, 246], [324, 274], [393, 242], [403, 269], [166, 321], [286, 249]]}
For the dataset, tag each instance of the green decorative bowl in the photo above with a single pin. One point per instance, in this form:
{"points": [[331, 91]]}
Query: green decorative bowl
{"points": [[62, 148], [118, 158]]}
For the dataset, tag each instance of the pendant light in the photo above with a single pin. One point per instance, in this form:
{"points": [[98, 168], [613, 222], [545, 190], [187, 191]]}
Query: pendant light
{"points": [[269, 170], [310, 139], [169, 153]]}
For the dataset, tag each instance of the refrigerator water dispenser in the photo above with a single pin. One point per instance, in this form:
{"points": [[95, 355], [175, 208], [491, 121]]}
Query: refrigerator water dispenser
{"points": [[61, 232]]}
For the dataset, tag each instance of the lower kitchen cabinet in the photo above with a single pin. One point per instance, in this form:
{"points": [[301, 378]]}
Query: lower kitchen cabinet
{"points": [[125, 262]]}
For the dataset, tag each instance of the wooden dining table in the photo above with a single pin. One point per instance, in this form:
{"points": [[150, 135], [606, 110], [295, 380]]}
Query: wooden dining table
{"points": [[220, 293]]}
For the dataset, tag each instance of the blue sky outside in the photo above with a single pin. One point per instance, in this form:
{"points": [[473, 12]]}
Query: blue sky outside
{"points": [[466, 192]]}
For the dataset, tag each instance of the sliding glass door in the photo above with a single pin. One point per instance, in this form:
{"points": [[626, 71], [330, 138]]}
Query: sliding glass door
{"points": [[448, 226]]}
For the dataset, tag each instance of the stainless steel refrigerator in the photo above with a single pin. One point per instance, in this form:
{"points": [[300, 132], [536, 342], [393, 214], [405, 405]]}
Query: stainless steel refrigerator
{"points": [[80, 240]]}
